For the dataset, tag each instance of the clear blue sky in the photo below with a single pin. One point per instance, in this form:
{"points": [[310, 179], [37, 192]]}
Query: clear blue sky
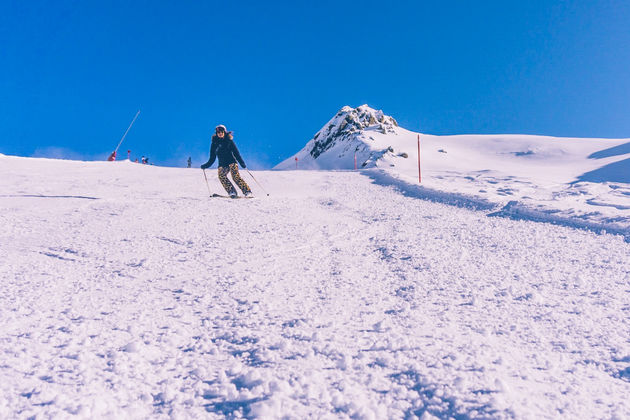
{"points": [[73, 73]]}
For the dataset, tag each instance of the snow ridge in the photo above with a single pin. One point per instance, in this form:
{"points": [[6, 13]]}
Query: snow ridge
{"points": [[513, 209]]}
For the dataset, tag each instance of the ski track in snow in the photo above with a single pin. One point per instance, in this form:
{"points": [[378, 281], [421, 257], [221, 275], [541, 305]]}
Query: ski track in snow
{"points": [[129, 294]]}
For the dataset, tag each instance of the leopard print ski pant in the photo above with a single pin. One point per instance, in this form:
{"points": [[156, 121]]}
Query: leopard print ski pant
{"points": [[233, 169]]}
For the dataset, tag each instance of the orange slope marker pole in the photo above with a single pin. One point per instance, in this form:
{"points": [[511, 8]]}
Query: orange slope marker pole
{"points": [[419, 172]]}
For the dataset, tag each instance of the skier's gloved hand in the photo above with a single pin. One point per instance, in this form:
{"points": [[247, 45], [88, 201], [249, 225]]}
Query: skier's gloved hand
{"points": [[244, 167], [204, 166]]}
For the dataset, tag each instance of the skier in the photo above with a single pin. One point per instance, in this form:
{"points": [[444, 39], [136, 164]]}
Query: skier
{"points": [[189, 161], [224, 148]]}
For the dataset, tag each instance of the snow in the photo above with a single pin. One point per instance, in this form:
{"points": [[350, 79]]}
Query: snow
{"points": [[128, 293], [572, 181]]}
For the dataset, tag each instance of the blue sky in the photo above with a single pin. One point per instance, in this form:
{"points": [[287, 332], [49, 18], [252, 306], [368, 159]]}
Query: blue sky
{"points": [[73, 73]]}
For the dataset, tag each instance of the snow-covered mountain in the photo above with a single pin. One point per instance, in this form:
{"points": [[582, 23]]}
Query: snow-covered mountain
{"points": [[582, 181], [362, 131]]}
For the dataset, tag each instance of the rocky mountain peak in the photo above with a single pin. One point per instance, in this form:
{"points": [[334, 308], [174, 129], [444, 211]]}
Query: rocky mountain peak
{"points": [[348, 123]]}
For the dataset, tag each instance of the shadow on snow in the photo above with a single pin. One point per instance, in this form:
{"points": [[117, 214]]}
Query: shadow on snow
{"points": [[613, 172], [49, 196], [622, 149]]}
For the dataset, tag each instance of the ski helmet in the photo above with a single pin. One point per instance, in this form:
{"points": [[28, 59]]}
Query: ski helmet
{"points": [[220, 127]]}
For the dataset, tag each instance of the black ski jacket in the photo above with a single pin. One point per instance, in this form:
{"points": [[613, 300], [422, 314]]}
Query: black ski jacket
{"points": [[225, 149]]}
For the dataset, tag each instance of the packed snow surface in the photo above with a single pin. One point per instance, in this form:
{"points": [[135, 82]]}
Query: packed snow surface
{"points": [[128, 293]]}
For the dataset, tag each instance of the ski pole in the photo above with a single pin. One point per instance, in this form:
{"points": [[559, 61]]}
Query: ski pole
{"points": [[250, 174], [207, 185], [261, 187]]}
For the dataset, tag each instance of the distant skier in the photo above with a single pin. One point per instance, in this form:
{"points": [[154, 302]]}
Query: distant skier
{"points": [[225, 149], [189, 161]]}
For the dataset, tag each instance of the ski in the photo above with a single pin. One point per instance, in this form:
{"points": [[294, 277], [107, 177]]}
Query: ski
{"points": [[227, 196]]}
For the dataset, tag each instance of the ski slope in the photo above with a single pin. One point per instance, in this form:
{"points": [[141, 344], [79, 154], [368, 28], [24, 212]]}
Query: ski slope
{"points": [[128, 293]]}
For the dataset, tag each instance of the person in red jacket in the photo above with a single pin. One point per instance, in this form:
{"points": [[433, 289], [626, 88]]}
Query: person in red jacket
{"points": [[225, 149]]}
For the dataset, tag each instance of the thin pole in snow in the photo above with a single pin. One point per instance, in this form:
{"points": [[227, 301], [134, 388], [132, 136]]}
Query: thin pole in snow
{"points": [[128, 128], [261, 187], [419, 172], [208, 185], [355, 160]]}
